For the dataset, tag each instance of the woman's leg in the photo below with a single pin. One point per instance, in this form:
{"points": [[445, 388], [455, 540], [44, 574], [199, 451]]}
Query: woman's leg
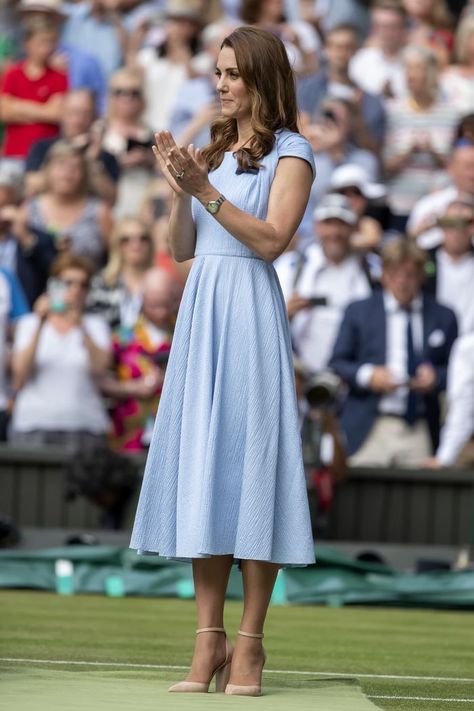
{"points": [[211, 576], [258, 580]]}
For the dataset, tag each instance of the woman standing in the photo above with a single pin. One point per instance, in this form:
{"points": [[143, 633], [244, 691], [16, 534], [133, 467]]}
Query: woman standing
{"points": [[224, 479]]}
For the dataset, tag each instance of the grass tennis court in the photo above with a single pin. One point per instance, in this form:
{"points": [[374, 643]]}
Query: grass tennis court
{"points": [[317, 657]]}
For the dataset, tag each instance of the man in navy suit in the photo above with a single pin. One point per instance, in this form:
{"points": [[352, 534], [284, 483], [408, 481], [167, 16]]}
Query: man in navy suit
{"points": [[392, 350]]}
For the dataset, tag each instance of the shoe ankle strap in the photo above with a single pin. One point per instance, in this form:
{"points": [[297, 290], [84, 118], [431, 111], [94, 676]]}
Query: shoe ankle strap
{"points": [[210, 629], [257, 635]]}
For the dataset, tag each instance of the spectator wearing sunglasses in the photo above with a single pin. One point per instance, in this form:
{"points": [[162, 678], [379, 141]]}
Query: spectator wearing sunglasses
{"points": [[59, 352], [450, 271], [127, 137], [116, 292], [353, 182]]}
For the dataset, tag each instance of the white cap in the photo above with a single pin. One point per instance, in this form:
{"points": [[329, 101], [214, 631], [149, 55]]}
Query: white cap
{"points": [[351, 175], [52, 6], [335, 206]]}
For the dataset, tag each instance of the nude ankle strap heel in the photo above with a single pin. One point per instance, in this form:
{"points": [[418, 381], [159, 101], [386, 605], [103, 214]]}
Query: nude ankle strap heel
{"points": [[253, 689], [222, 672]]}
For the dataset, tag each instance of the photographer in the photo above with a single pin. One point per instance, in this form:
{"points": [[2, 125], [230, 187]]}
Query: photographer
{"points": [[58, 354], [140, 356], [80, 128]]}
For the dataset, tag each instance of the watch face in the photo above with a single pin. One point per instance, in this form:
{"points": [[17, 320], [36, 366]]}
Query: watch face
{"points": [[213, 207]]}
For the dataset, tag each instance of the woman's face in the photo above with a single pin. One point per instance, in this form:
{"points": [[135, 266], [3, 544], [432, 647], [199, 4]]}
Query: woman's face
{"points": [[66, 175], [234, 95], [416, 73], [135, 245], [76, 282], [126, 99]]}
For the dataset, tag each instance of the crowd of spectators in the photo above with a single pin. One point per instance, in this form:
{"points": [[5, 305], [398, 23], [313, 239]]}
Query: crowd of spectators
{"points": [[378, 281]]}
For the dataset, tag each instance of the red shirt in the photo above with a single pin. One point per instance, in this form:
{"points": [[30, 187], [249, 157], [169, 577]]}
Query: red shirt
{"points": [[20, 136]]}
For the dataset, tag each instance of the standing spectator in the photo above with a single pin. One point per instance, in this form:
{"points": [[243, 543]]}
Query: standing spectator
{"points": [[140, 356], [333, 80], [393, 350], [352, 182], [24, 252], [96, 28], [12, 307], [377, 68], [455, 447], [321, 282], [117, 292], [78, 127], [457, 81], [73, 217], [58, 354], [32, 94], [420, 129], [452, 268], [129, 140], [422, 224], [431, 24]]}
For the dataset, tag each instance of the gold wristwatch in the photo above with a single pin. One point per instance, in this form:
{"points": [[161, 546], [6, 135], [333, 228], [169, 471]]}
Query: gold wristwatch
{"points": [[213, 206]]}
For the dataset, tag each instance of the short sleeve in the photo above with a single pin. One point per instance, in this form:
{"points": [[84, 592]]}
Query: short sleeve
{"points": [[99, 331], [295, 145], [24, 332]]}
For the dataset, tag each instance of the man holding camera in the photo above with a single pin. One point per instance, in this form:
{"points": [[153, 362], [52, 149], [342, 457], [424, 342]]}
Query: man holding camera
{"points": [[319, 283]]}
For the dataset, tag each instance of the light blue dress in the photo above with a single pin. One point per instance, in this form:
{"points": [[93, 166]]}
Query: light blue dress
{"points": [[224, 473]]}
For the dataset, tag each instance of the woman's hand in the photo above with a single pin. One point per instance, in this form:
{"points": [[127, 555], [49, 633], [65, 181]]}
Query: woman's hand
{"points": [[187, 163]]}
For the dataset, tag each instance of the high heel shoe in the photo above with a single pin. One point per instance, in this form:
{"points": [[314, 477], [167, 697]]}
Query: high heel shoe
{"points": [[222, 672], [253, 689]]}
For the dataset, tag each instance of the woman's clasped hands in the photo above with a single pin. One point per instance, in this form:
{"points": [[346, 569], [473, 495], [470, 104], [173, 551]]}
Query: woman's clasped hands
{"points": [[184, 168]]}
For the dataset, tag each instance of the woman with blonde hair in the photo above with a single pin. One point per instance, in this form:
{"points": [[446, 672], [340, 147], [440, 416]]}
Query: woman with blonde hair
{"points": [[457, 81], [224, 480], [116, 293], [129, 139], [67, 210]]}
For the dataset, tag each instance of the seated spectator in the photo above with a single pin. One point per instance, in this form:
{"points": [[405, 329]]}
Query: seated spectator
{"points": [[59, 352], [332, 14], [129, 140], [77, 127], [378, 68], [140, 356], [422, 224], [393, 350], [456, 441], [117, 292], [329, 136], [430, 26], [82, 68], [465, 131], [165, 65], [301, 40], [24, 252], [451, 273], [352, 182], [13, 306], [319, 283], [32, 94], [66, 210], [420, 129], [333, 81], [457, 81]]}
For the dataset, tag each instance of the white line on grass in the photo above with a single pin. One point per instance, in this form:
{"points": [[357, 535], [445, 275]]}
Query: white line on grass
{"points": [[421, 698], [266, 671]]}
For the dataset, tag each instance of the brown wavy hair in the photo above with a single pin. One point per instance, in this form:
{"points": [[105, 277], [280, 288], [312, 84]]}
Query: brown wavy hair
{"points": [[263, 64]]}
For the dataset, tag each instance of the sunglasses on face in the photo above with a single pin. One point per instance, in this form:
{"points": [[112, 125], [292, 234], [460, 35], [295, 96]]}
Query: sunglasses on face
{"points": [[143, 239], [453, 222], [82, 284], [130, 93]]}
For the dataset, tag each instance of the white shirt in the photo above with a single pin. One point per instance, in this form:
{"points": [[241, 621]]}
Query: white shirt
{"points": [[314, 329], [455, 287], [371, 69], [431, 206], [396, 320], [61, 394], [163, 80], [459, 425]]}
